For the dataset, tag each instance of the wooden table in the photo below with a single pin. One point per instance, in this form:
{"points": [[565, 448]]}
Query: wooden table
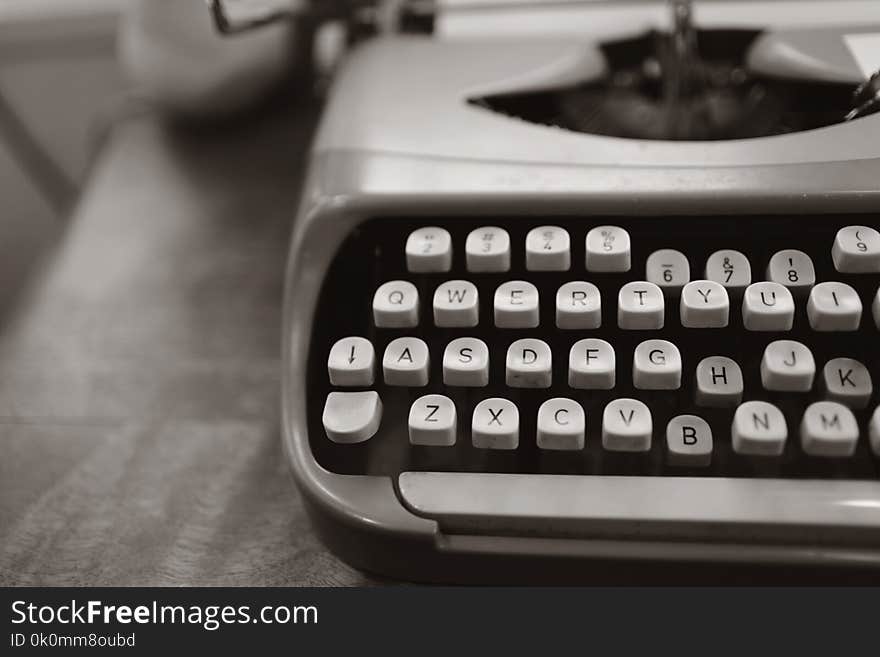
{"points": [[139, 372]]}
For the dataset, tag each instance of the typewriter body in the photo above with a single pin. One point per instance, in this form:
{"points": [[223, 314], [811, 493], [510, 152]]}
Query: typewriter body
{"points": [[600, 296]]}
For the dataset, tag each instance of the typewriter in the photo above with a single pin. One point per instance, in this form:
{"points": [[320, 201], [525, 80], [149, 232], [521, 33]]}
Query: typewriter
{"points": [[585, 287]]}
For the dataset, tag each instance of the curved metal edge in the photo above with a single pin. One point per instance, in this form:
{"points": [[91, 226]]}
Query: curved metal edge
{"points": [[368, 504]]}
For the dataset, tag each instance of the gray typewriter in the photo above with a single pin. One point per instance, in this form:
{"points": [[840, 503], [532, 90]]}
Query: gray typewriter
{"points": [[580, 288]]}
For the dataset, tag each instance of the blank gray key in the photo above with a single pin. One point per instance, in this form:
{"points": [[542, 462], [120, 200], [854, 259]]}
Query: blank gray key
{"points": [[352, 417], [719, 382]]}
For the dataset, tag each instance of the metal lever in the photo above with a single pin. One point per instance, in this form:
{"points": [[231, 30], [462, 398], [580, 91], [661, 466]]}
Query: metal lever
{"points": [[682, 75], [236, 16], [866, 99]]}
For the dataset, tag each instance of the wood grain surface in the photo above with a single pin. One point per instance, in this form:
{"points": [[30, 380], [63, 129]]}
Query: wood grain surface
{"points": [[139, 372]]}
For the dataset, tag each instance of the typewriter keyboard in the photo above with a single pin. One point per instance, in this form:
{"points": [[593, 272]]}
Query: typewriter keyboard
{"points": [[699, 346]]}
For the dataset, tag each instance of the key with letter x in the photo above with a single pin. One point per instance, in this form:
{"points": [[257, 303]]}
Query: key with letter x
{"points": [[495, 424]]}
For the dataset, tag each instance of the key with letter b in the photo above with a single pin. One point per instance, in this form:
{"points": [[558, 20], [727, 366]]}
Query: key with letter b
{"points": [[688, 441]]}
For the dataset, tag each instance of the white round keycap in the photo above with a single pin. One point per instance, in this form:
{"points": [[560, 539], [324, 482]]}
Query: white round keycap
{"points": [[847, 381], [875, 308], [792, 268], [759, 429], [767, 306], [406, 362], [829, 429], [688, 441], [456, 304], [591, 365], [561, 425], [352, 417], [432, 421], [856, 250], [874, 431], [640, 306], [516, 305], [730, 268], [578, 306], [429, 249], [487, 249], [657, 366], [495, 424], [627, 426], [396, 305], [704, 304], [351, 362], [834, 307], [719, 382], [529, 364], [668, 269], [548, 248], [787, 366], [608, 249], [466, 363]]}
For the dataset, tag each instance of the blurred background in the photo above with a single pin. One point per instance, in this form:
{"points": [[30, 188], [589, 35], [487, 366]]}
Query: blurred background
{"points": [[58, 79]]}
